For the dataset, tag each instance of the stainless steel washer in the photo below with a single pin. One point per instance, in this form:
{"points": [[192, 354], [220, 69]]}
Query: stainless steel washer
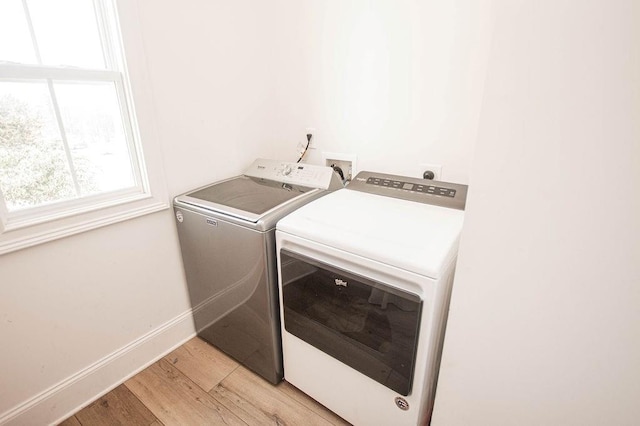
{"points": [[227, 238]]}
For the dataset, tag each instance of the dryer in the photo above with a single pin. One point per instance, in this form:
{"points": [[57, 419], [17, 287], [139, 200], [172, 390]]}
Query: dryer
{"points": [[227, 238], [365, 277]]}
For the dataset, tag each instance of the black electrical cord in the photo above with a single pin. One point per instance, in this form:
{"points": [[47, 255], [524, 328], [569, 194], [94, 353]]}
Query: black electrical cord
{"points": [[309, 136], [338, 170]]}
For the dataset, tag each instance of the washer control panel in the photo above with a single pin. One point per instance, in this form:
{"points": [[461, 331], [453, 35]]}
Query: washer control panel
{"points": [[309, 175], [444, 194]]}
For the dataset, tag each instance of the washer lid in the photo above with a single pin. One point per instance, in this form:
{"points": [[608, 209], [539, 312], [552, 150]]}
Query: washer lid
{"points": [[243, 197], [417, 237]]}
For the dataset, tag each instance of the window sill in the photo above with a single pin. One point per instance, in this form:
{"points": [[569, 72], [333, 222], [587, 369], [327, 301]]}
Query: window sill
{"points": [[27, 237]]}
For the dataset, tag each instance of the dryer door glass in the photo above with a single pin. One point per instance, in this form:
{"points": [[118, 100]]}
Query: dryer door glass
{"points": [[367, 325]]}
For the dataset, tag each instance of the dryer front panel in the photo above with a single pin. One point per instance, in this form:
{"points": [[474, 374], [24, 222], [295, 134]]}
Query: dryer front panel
{"points": [[344, 316], [365, 324]]}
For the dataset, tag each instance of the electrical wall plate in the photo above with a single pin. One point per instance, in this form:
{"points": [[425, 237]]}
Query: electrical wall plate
{"points": [[310, 131], [346, 162]]}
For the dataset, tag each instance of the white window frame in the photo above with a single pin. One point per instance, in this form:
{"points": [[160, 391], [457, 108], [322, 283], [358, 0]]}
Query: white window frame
{"points": [[31, 226]]}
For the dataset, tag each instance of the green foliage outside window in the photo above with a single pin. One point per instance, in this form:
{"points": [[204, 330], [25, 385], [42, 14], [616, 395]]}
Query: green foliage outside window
{"points": [[33, 168]]}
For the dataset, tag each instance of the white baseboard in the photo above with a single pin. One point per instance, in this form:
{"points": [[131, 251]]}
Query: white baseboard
{"points": [[66, 397]]}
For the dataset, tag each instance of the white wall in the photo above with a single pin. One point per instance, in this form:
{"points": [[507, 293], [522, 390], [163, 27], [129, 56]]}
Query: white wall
{"points": [[544, 326], [397, 83], [79, 314], [211, 65], [66, 305]]}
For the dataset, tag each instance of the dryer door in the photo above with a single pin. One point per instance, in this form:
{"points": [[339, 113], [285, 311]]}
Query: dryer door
{"points": [[365, 324]]}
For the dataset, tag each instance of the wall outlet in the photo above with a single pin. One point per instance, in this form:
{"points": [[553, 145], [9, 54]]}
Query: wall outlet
{"points": [[435, 168], [346, 162], [302, 148], [312, 131]]}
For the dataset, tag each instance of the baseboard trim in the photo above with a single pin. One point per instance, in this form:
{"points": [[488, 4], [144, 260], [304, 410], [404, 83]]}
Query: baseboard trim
{"points": [[71, 394]]}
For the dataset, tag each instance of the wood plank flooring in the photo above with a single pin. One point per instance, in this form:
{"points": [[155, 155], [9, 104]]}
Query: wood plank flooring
{"points": [[198, 385]]}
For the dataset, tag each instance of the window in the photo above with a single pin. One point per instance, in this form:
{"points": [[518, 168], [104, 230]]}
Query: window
{"points": [[69, 142]]}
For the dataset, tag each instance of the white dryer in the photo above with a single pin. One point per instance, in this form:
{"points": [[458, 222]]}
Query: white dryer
{"points": [[365, 276]]}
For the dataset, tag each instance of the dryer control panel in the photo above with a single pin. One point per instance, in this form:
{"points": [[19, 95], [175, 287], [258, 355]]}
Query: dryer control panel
{"points": [[302, 174], [444, 194]]}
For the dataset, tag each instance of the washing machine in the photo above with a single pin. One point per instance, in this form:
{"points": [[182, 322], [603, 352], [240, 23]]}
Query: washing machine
{"points": [[227, 238], [365, 278]]}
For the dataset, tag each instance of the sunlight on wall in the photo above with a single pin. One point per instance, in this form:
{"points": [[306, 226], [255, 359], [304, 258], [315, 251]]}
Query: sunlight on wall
{"points": [[366, 75], [395, 83]]}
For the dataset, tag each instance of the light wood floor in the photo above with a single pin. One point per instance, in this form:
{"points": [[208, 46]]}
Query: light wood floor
{"points": [[198, 385]]}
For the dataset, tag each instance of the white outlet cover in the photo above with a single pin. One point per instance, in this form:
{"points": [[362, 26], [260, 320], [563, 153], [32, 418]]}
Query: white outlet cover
{"points": [[312, 130]]}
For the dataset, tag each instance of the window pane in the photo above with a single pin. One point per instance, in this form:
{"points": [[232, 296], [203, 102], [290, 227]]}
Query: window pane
{"points": [[15, 41], [95, 133], [67, 32], [33, 165]]}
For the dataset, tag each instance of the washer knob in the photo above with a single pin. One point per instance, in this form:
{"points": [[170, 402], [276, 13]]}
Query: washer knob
{"points": [[286, 170]]}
